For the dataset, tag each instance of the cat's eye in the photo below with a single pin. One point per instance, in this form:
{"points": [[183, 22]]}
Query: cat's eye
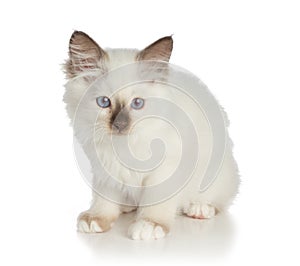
{"points": [[103, 101], [137, 103]]}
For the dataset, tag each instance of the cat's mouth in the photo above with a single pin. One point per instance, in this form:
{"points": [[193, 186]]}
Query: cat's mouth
{"points": [[119, 133], [120, 130]]}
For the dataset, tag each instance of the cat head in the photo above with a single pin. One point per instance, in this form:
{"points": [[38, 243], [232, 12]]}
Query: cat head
{"points": [[118, 111]]}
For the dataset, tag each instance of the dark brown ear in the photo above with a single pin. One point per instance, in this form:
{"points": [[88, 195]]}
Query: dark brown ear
{"points": [[84, 54], [159, 50]]}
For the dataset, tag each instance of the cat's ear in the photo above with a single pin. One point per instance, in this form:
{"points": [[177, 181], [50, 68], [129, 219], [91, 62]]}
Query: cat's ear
{"points": [[84, 55], [159, 50]]}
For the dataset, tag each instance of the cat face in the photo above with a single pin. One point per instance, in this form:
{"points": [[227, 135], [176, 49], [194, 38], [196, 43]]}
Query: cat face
{"points": [[119, 117], [122, 112], [117, 111], [116, 114]]}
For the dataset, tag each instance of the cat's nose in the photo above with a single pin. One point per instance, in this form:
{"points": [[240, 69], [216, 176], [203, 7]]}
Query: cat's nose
{"points": [[120, 121], [119, 125]]}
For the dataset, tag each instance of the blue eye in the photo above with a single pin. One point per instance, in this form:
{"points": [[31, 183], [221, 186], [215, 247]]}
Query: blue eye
{"points": [[103, 101], [137, 103]]}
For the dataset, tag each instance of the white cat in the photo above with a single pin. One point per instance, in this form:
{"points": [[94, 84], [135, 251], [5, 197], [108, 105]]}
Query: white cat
{"points": [[118, 115]]}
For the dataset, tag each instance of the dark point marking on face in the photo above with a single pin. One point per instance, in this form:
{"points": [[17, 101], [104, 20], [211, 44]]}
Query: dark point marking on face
{"points": [[120, 119]]}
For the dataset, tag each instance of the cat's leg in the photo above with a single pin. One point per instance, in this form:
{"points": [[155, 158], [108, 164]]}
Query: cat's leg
{"points": [[153, 222], [100, 217], [219, 196]]}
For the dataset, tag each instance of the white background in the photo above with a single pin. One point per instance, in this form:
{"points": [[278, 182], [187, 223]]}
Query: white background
{"points": [[247, 52]]}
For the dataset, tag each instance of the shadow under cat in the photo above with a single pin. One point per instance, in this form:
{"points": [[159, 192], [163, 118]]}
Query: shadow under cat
{"points": [[203, 238]]}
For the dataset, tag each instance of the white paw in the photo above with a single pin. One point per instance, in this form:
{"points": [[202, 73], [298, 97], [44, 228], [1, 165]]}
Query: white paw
{"points": [[200, 211], [144, 230], [89, 223], [93, 227]]}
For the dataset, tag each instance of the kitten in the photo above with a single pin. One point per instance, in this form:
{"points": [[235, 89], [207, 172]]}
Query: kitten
{"points": [[117, 117]]}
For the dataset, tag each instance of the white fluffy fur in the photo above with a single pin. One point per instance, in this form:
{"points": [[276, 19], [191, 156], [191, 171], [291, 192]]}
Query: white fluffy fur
{"points": [[153, 221]]}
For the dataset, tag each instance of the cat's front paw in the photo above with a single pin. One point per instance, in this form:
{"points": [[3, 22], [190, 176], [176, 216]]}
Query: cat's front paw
{"points": [[92, 223], [200, 211], [144, 230]]}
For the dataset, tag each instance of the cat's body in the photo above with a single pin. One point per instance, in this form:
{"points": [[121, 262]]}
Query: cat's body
{"points": [[119, 112]]}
